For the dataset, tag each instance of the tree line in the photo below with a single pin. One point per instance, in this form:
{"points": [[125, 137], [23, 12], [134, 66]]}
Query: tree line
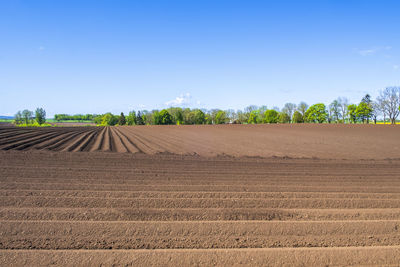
{"points": [[77, 117], [386, 105]]}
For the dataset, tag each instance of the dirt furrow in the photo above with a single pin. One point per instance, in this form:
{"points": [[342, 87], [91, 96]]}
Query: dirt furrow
{"points": [[205, 234], [336, 256], [195, 214], [127, 143], [194, 203], [119, 146], [98, 144], [220, 195]]}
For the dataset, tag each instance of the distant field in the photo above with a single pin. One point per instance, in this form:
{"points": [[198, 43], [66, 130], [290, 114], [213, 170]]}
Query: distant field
{"points": [[329, 141]]}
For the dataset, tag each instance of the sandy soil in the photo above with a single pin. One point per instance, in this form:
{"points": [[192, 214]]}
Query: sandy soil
{"points": [[143, 207]]}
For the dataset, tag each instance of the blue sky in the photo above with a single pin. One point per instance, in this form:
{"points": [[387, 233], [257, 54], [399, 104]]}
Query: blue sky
{"points": [[99, 56]]}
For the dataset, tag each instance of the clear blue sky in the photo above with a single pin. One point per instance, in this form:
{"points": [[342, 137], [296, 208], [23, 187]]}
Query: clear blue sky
{"points": [[99, 56]]}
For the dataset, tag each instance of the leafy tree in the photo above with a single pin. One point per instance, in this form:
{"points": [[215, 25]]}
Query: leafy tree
{"points": [[109, 119], [121, 119], [352, 113], [289, 108], [139, 119], [148, 117], [40, 116], [334, 109], [211, 116], [248, 110], [271, 116], [98, 119], [131, 118], [283, 117], [199, 117], [18, 118], [363, 112], [316, 113], [165, 118], [297, 117], [253, 117], [363, 115], [156, 117], [177, 115], [241, 117], [27, 116], [302, 108], [261, 114], [220, 117]]}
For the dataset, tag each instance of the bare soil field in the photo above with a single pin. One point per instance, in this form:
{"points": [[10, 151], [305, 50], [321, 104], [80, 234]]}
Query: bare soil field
{"points": [[200, 196], [327, 141]]}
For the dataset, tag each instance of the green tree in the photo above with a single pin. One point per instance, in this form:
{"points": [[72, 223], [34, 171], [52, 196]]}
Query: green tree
{"points": [[121, 119], [283, 117], [164, 118], [271, 116], [109, 119], [334, 109], [253, 117], [316, 113], [27, 116], [156, 117], [139, 119], [199, 117], [241, 117], [302, 108], [177, 115], [131, 118], [297, 117], [289, 108], [220, 117], [18, 118], [248, 110], [352, 113], [364, 115], [40, 116], [364, 112], [98, 119]]}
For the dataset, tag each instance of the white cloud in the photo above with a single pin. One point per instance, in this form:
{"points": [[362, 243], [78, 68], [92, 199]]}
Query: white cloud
{"points": [[41, 48], [371, 51], [396, 67], [183, 99]]}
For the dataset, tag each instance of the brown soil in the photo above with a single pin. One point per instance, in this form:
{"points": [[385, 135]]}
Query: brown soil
{"points": [[143, 207], [325, 141]]}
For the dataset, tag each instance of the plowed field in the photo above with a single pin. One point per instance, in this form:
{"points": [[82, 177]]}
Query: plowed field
{"points": [[188, 196], [297, 141]]}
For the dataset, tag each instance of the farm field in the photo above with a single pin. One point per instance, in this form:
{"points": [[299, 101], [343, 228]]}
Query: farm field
{"points": [[200, 195], [328, 141]]}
